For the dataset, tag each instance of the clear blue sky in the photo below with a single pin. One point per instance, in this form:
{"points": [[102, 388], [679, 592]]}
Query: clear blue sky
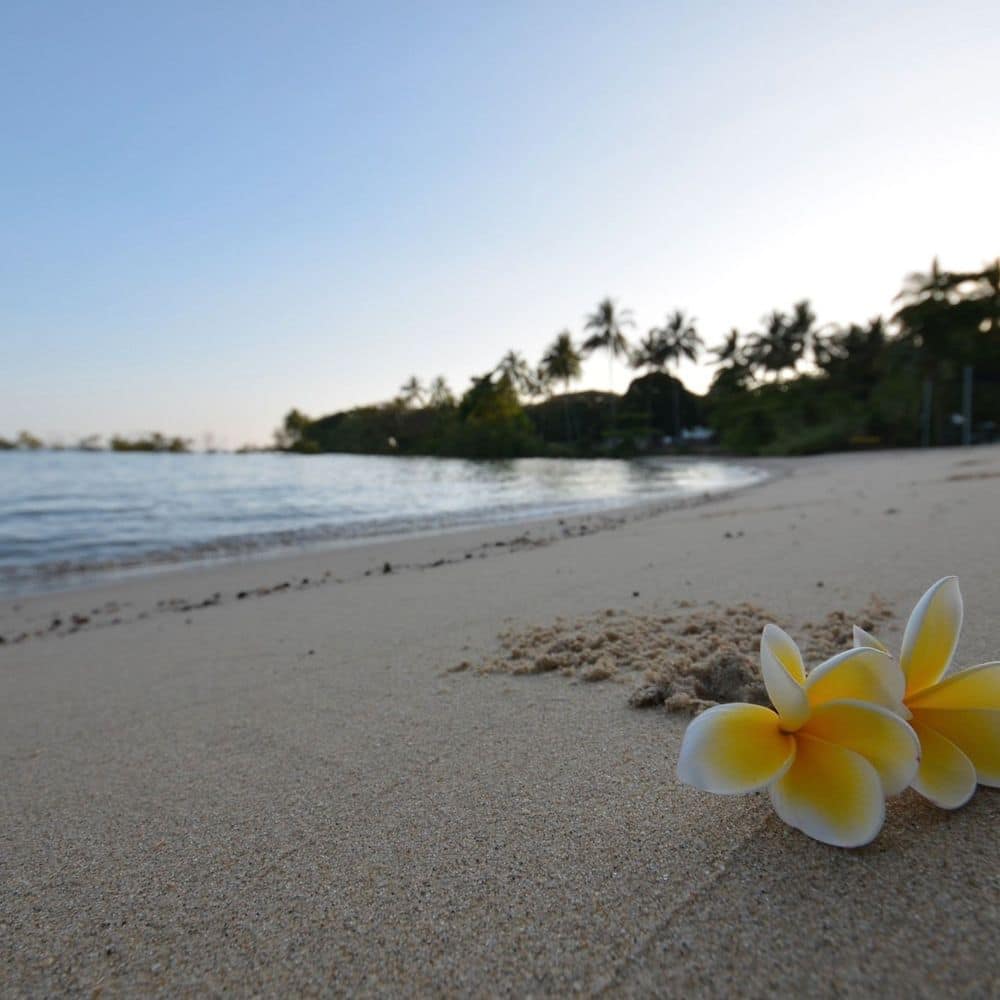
{"points": [[215, 211]]}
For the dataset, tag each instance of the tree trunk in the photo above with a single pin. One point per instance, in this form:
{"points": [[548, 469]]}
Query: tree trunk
{"points": [[569, 431], [611, 384], [967, 405], [925, 413]]}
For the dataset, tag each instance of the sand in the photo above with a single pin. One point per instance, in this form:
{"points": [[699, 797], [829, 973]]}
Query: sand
{"points": [[684, 660], [295, 792]]}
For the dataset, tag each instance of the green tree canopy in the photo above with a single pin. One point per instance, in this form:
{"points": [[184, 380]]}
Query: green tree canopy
{"points": [[440, 394], [519, 373]]}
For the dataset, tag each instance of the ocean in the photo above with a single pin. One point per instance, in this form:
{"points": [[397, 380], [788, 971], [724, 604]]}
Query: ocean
{"points": [[70, 517]]}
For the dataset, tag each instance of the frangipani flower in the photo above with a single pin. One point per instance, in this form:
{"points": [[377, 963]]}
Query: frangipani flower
{"points": [[829, 754], [957, 720]]}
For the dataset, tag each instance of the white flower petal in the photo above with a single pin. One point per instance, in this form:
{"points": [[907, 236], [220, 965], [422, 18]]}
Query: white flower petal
{"points": [[975, 731], [734, 748], [785, 651], [931, 635], [880, 736], [830, 793], [863, 638], [780, 677], [945, 776], [861, 674], [975, 687]]}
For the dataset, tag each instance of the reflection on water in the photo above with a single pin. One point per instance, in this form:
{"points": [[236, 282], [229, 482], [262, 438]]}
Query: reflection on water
{"points": [[67, 512]]}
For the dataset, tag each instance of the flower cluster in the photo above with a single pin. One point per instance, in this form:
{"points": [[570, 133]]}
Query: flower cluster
{"points": [[859, 727]]}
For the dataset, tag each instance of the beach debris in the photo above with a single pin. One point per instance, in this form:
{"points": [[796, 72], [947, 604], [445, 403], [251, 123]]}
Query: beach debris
{"points": [[829, 752], [648, 696], [965, 476], [957, 718]]}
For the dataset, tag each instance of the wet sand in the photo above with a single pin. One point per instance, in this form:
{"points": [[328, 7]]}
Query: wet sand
{"points": [[289, 791]]}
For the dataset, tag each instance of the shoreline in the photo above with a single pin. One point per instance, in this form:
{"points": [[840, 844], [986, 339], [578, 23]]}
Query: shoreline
{"points": [[300, 795], [284, 561], [66, 577]]}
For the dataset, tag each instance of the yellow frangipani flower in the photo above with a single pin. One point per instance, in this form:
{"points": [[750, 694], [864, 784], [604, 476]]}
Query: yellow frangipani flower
{"points": [[957, 720], [829, 754]]}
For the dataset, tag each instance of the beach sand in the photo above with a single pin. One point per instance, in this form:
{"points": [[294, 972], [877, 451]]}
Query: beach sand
{"points": [[291, 792]]}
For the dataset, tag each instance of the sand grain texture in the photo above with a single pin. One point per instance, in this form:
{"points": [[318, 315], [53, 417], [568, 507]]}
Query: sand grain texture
{"points": [[685, 660], [290, 794]]}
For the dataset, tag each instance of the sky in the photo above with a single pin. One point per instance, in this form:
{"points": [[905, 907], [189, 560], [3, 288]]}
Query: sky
{"points": [[214, 211]]}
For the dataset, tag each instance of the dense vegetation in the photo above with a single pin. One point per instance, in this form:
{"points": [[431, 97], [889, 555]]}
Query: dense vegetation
{"points": [[928, 375], [491, 421], [152, 442], [26, 441]]}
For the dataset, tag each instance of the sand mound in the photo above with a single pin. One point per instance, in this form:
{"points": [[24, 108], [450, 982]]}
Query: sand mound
{"points": [[686, 660]]}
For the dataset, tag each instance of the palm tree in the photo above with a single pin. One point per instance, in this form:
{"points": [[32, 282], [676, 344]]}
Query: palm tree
{"points": [[801, 332], [680, 340], [785, 339], [562, 362], [935, 285], [936, 321], [730, 351], [543, 380], [518, 373], [440, 393], [650, 353], [853, 356], [412, 392], [988, 299], [764, 349], [606, 326], [732, 364]]}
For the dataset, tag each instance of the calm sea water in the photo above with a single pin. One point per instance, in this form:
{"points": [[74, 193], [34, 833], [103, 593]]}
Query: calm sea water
{"points": [[68, 516]]}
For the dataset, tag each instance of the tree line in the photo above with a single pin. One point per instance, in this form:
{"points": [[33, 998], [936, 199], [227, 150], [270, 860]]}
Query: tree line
{"points": [[929, 373], [791, 386], [26, 441]]}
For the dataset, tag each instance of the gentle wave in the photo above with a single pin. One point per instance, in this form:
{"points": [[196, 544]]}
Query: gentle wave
{"points": [[67, 517]]}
